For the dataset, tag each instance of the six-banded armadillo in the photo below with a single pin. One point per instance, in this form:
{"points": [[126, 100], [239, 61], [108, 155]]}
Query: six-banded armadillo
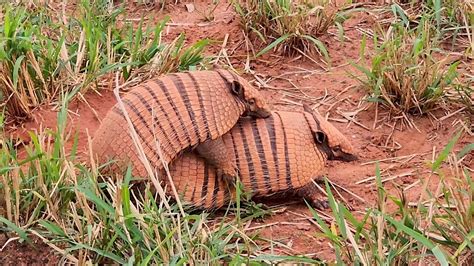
{"points": [[284, 152], [182, 111]]}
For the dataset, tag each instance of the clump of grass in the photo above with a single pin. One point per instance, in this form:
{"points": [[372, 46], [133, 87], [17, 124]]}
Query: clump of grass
{"points": [[406, 72], [25, 67], [43, 52], [453, 19], [288, 26], [439, 230]]}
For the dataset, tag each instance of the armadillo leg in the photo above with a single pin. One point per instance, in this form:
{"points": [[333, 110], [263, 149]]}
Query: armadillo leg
{"points": [[216, 154], [313, 195]]}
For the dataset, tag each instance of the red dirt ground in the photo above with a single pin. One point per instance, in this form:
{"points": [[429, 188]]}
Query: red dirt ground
{"points": [[291, 81]]}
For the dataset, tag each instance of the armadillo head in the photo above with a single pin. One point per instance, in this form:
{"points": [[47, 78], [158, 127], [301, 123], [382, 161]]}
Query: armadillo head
{"points": [[330, 140], [254, 103], [251, 99]]}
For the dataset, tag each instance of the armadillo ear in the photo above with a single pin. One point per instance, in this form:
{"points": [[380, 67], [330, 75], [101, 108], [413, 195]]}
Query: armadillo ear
{"points": [[320, 137], [237, 89]]}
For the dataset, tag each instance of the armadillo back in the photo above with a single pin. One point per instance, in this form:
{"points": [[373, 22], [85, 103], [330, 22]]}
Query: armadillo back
{"points": [[179, 110], [273, 155]]}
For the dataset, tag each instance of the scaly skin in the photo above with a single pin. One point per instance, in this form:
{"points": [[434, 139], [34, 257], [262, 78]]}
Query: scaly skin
{"points": [[273, 155], [180, 111]]}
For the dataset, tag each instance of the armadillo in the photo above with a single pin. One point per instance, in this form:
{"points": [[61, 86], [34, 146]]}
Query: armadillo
{"points": [[282, 153], [182, 111]]}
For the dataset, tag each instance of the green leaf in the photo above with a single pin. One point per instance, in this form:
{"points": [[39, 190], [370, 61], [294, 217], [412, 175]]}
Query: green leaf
{"points": [[364, 70], [3, 54], [53, 228], [451, 73], [237, 260], [16, 69], [467, 149], [417, 47], [148, 258], [444, 154], [272, 45], [98, 251], [437, 7], [321, 47], [21, 233], [396, 9], [468, 241], [340, 31], [277, 258], [363, 45], [90, 195], [437, 252]]}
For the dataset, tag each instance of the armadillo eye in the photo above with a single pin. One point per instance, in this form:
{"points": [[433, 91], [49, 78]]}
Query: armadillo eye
{"points": [[320, 137], [252, 101]]}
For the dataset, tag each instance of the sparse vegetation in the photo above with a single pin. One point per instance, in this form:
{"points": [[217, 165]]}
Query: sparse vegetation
{"points": [[408, 73], [438, 228], [43, 55], [288, 26], [453, 19]]}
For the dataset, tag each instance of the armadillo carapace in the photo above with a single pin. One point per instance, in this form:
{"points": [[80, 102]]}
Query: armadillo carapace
{"points": [[182, 111], [282, 153]]}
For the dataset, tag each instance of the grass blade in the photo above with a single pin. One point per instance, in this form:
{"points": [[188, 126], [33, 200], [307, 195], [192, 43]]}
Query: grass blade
{"points": [[437, 252], [272, 45], [16, 69], [444, 154], [21, 233]]}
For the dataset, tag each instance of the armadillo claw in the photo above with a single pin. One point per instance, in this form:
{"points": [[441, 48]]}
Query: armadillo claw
{"points": [[228, 178], [320, 204]]}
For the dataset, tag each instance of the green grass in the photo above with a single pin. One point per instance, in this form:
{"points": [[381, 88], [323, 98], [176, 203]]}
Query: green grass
{"points": [[408, 73], [452, 16], [453, 19], [289, 27], [438, 229], [42, 54]]}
